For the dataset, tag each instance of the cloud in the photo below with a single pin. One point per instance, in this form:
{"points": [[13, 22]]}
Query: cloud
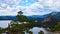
{"points": [[7, 7], [11, 3], [52, 4], [29, 7], [8, 11], [42, 7]]}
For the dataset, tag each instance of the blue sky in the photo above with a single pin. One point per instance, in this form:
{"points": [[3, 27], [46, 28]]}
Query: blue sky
{"points": [[29, 7]]}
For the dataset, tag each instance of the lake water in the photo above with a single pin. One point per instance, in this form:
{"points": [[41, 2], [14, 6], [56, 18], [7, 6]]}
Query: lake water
{"points": [[35, 30], [4, 23]]}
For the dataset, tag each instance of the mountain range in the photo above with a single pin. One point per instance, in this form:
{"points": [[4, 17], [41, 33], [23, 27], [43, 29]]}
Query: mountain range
{"points": [[37, 17], [8, 17]]}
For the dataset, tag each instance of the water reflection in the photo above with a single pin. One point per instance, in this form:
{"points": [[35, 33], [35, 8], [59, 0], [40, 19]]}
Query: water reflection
{"points": [[35, 30]]}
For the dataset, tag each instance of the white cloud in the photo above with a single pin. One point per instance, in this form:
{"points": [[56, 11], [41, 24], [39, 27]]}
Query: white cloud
{"points": [[8, 11], [39, 7], [53, 4], [7, 7]]}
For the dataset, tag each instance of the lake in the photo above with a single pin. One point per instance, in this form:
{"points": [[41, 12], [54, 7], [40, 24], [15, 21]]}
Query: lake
{"points": [[4, 23], [35, 30]]}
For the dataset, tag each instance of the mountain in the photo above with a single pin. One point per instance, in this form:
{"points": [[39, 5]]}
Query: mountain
{"points": [[53, 14], [36, 17], [8, 17], [56, 14], [49, 18], [52, 17]]}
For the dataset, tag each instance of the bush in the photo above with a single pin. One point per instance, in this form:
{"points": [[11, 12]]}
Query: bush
{"points": [[56, 28], [30, 32], [41, 32]]}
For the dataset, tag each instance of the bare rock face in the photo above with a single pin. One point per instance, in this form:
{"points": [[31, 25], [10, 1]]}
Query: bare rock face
{"points": [[52, 17], [49, 21], [48, 18]]}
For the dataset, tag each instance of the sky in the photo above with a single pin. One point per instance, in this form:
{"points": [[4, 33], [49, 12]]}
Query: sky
{"points": [[28, 7]]}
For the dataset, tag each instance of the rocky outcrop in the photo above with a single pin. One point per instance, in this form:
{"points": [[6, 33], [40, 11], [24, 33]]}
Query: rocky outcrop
{"points": [[48, 18]]}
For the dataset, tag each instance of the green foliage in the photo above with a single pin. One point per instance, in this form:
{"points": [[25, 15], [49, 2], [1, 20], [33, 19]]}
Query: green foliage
{"points": [[56, 28], [31, 21], [15, 26], [21, 17], [22, 32], [41, 32], [49, 24], [14, 22], [30, 32], [26, 29], [20, 13], [18, 27], [0, 30]]}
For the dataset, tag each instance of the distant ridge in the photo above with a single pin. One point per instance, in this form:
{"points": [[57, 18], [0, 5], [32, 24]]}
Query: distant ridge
{"points": [[36, 17], [8, 18]]}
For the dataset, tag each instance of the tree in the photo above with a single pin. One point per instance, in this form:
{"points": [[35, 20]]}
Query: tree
{"points": [[31, 22], [16, 28], [20, 13], [0, 30], [57, 27], [26, 29], [21, 17], [30, 32], [41, 32], [22, 32]]}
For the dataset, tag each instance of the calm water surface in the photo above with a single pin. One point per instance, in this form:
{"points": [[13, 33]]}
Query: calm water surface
{"points": [[4, 23]]}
